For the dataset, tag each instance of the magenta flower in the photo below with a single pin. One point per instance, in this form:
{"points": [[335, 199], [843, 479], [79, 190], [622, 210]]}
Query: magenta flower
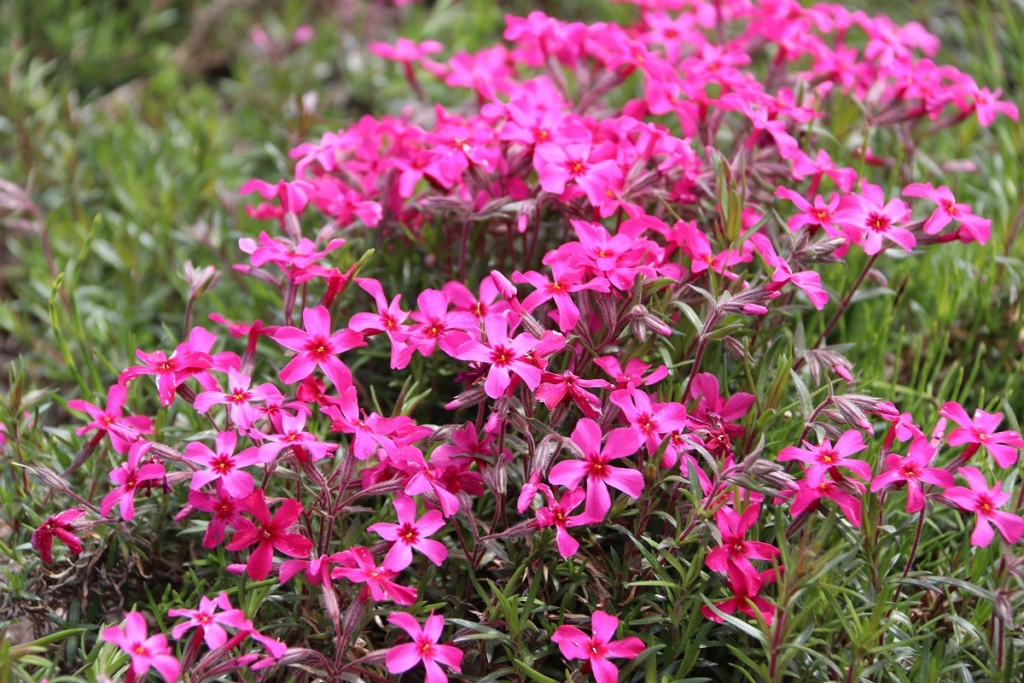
{"points": [[387, 319], [293, 434], [239, 399], [981, 432], [568, 160], [223, 465], [423, 648], [735, 551], [144, 652], [558, 514], [869, 219], [566, 280], [979, 229], [984, 502], [359, 567], [820, 165], [209, 621], [317, 569], [745, 589], [633, 375], [62, 526], [820, 215], [410, 533], [555, 389], [129, 477], [598, 648], [826, 458], [595, 467], [504, 355], [807, 280], [488, 303], [404, 50], [225, 509], [123, 430], [170, 373], [651, 422], [913, 470], [317, 346], [437, 327], [270, 533], [369, 433], [808, 497]]}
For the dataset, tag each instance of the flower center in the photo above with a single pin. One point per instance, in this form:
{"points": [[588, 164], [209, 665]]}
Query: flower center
{"points": [[575, 168], [878, 222], [222, 464], [502, 356]]}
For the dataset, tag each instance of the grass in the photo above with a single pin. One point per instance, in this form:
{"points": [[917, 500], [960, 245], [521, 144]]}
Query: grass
{"points": [[130, 126]]}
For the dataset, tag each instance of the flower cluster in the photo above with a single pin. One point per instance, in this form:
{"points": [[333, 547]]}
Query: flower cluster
{"points": [[607, 207]]}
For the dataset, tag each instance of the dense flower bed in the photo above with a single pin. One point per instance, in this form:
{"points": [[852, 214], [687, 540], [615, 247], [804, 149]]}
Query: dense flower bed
{"points": [[626, 226]]}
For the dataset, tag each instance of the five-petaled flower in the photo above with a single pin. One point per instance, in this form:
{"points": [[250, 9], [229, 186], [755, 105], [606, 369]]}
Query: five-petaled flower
{"points": [[129, 476], [598, 648], [423, 648], [410, 533], [317, 346], [144, 652], [913, 470], [269, 533], [985, 501]]}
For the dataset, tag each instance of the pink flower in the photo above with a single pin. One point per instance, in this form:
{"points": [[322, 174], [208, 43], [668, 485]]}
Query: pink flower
{"points": [[317, 346], [557, 388], [651, 422], [826, 459], [566, 280], [423, 648], [745, 589], [388, 319], [568, 160], [807, 280], [405, 51], [144, 652], [123, 430], [488, 303], [820, 215], [981, 432], [292, 434], [598, 648], [912, 470], [170, 372], [504, 355], [410, 533], [595, 467], [61, 525], [633, 376], [209, 621], [226, 510], [984, 502], [129, 477], [977, 228], [239, 398], [437, 327], [223, 465], [270, 533], [808, 497], [359, 567], [557, 514], [735, 551], [317, 569], [822, 164], [369, 433], [869, 219]]}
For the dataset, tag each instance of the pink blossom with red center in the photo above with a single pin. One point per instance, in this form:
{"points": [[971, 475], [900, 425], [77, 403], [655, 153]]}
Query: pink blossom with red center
{"points": [[827, 459], [558, 513], [599, 647], [424, 648], [144, 652], [981, 432], [410, 534], [985, 501], [129, 477], [239, 399], [504, 357], [913, 470], [316, 347], [869, 220], [358, 566], [223, 464], [595, 467], [123, 430], [210, 617], [651, 422], [735, 550], [269, 534], [975, 228], [819, 215]]}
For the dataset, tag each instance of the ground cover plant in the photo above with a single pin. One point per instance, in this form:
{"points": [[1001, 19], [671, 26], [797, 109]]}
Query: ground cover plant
{"points": [[675, 343]]}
